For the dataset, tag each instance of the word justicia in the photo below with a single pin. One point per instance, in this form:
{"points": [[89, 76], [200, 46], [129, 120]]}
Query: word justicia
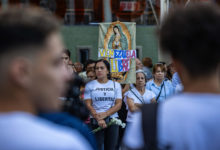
{"points": [[104, 89]]}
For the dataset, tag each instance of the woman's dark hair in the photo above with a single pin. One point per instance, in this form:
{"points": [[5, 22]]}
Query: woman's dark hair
{"points": [[88, 62], [115, 27], [107, 66], [67, 52]]}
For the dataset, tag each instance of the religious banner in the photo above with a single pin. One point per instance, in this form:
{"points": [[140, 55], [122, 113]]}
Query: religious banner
{"points": [[120, 65], [119, 59], [114, 53], [117, 43]]}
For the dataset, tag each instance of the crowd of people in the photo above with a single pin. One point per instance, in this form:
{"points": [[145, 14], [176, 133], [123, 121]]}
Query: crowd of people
{"points": [[162, 81], [104, 96], [168, 107]]}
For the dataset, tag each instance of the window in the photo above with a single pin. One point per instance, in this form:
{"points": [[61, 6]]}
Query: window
{"points": [[83, 53], [139, 52]]}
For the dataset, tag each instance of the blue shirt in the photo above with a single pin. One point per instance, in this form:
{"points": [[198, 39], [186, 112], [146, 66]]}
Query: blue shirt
{"points": [[167, 89], [68, 120], [24, 131], [186, 121], [176, 80]]}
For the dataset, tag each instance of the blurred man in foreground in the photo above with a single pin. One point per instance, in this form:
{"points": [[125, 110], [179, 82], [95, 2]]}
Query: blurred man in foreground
{"points": [[32, 78], [189, 120]]}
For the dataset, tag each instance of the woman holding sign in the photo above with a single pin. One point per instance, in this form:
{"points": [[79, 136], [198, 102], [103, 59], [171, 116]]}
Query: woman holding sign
{"points": [[138, 95], [103, 98]]}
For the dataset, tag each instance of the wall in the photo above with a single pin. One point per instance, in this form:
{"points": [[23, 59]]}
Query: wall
{"points": [[75, 36], [147, 39]]}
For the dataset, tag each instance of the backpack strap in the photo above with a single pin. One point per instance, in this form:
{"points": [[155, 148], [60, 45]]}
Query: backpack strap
{"points": [[149, 125], [142, 101], [160, 92]]}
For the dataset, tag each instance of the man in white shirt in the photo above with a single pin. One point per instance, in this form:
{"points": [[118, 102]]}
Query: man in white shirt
{"points": [[189, 120], [32, 78]]}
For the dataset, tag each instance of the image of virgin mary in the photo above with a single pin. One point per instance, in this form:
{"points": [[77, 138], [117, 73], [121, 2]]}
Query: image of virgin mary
{"points": [[118, 40]]}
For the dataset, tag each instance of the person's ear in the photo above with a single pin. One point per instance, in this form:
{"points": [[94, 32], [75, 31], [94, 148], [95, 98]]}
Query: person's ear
{"points": [[19, 72]]}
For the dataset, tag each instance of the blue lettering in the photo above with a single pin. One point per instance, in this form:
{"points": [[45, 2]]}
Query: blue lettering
{"points": [[116, 53], [120, 66], [123, 53]]}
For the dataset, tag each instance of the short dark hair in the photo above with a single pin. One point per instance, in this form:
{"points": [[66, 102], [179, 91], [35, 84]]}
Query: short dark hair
{"points": [[24, 27], [89, 61], [106, 64], [147, 61], [67, 52], [191, 35]]}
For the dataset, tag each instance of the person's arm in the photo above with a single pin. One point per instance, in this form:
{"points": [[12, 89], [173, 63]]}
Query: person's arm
{"points": [[138, 105], [125, 89], [111, 111], [93, 112], [131, 105], [101, 122]]}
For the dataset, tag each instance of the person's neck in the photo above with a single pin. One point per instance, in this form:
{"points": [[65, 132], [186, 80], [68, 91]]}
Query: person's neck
{"points": [[102, 80], [141, 89], [202, 84], [158, 81], [15, 102]]}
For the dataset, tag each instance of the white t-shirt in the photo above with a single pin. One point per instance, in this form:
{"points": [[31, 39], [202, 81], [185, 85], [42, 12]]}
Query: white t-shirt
{"points": [[142, 99], [103, 95], [23, 131], [185, 121]]}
